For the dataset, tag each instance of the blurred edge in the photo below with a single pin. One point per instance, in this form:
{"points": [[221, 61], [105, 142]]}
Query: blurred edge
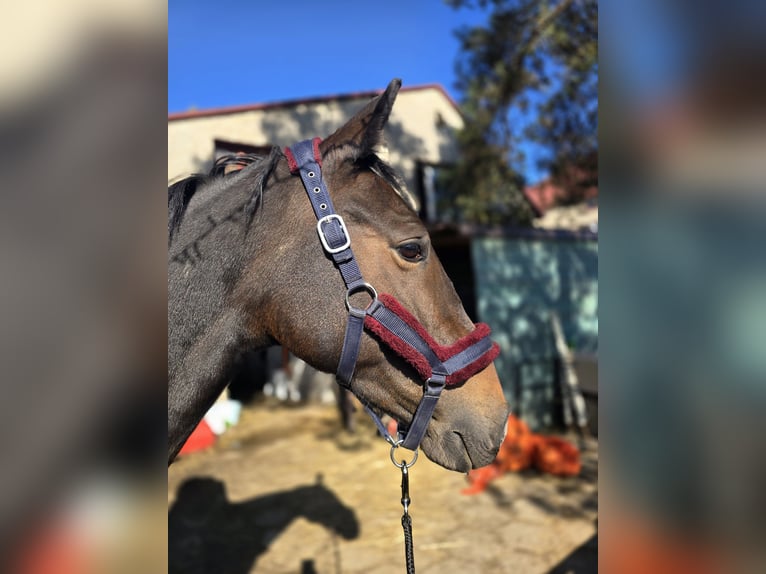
{"points": [[82, 160], [83, 297], [683, 277]]}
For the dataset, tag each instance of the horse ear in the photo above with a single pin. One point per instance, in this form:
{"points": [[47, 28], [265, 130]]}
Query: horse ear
{"points": [[362, 135]]}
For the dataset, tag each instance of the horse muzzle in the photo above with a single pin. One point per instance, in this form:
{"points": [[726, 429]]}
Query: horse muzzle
{"points": [[466, 431]]}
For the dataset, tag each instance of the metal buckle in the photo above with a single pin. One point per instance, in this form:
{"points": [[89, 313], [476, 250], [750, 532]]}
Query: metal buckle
{"points": [[323, 238]]}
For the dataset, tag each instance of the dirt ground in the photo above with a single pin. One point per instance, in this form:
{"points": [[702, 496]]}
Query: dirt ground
{"points": [[286, 491]]}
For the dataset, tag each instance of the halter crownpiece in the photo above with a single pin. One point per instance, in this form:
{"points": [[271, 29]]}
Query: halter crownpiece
{"points": [[385, 317]]}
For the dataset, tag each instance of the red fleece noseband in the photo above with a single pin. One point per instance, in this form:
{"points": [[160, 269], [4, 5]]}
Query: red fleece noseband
{"points": [[444, 352]]}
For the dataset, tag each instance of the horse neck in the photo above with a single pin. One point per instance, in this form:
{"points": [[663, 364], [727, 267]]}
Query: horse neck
{"points": [[209, 254], [208, 329]]}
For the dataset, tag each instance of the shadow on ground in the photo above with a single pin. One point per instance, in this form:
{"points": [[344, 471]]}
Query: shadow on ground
{"points": [[568, 498], [209, 534], [583, 560]]}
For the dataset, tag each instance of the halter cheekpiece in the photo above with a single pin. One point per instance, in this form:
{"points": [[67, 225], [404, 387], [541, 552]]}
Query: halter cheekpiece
{"points": [[385, 317]]}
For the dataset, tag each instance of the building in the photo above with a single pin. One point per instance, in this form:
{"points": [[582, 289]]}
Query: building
{"points": [[420, 133]]}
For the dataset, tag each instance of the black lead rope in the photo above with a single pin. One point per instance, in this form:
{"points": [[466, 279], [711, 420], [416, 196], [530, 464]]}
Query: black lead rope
{"points": [[409, 554]]}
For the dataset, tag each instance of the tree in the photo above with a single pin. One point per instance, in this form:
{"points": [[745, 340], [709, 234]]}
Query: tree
{"points": [[537, 56]]}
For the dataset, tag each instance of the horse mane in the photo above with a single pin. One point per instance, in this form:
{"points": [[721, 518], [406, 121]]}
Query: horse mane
{"points": [[181, 192]]}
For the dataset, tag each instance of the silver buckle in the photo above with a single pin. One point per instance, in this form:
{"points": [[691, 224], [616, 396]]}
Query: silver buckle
{"points": [[323, 239]]}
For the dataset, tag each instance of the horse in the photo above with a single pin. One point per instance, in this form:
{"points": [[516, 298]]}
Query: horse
{"points": [[246, 271]]}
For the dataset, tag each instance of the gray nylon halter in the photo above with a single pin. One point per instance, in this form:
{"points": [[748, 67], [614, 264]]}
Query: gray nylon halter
{"points": [[304, 159]]}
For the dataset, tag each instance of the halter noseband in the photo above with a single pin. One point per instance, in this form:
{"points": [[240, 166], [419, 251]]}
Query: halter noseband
{"points": [[439, 366]]}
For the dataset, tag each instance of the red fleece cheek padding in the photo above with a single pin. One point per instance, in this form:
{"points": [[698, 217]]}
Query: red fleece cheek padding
{"points": [[443, 352]]}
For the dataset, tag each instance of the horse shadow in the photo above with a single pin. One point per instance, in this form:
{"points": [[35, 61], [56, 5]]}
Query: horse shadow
{"points": [[209, 534]]}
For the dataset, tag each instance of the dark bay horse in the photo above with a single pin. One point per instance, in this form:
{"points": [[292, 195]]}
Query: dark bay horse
{"points": [[246, 270]]}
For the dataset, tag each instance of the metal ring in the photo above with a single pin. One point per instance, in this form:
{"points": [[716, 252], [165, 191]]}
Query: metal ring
{"points": [[403, 464], [311, 174], [317, 189], [322, 206], [358, 289]]}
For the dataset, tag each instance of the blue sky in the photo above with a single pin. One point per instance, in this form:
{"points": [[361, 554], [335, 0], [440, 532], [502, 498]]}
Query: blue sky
{"points": [[230, 52]]}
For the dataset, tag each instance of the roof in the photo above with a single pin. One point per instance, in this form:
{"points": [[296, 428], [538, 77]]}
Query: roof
{"points": [[191, 114], [561, 206], [543, 196]]}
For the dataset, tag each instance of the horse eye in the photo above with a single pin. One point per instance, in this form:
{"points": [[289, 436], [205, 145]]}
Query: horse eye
{"points": [[411, 251]]}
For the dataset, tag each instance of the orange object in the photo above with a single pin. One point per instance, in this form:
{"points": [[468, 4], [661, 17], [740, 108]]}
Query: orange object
{"points": [[392, 427], [636, 545], [557, 456], [523, 449], [55, 549], [200, 439], [480, 478], [518, 449]]}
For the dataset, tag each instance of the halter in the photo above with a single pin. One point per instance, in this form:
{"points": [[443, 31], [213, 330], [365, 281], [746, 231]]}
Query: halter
{"points": [[385, 317]]}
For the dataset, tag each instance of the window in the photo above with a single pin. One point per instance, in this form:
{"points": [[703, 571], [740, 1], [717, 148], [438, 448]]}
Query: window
{"points": [[436, 205]]}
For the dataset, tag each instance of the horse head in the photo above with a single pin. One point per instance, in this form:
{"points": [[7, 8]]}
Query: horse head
{"points": [[288, 290], [320, 505]]}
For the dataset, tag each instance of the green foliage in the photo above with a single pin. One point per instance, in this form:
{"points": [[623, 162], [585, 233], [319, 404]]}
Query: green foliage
{"points": [[528, 51]]}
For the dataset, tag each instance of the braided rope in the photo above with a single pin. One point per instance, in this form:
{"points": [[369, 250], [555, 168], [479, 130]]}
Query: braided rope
{"points": [[409, 555]]}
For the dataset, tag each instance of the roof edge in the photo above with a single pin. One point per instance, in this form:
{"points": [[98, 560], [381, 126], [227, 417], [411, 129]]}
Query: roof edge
{"points": [[192, 114]]}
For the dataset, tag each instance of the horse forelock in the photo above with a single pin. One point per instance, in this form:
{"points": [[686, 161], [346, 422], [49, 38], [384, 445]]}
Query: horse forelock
{"points": [[390, 176], [364, 158]]}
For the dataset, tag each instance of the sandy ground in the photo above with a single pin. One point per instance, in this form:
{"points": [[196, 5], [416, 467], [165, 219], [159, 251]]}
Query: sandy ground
{"points": [[287, 491]]}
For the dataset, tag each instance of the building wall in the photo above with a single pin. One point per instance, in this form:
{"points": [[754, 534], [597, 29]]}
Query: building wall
{"points": [[421, 127], [520, 282]]}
